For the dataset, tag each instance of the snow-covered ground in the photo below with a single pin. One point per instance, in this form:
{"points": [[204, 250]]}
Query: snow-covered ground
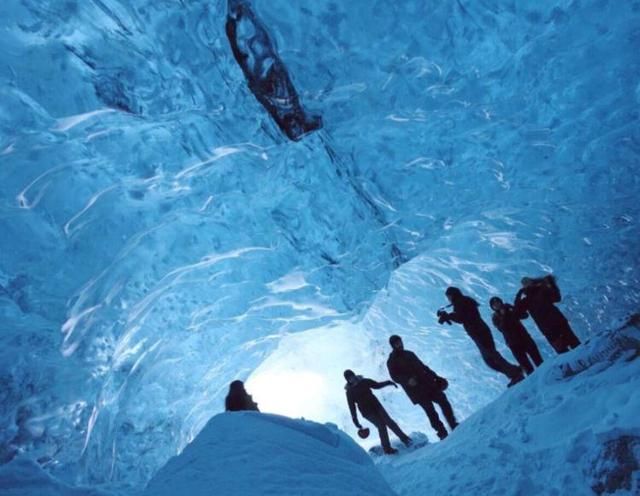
{"points": [[572, 428], [254, 454]]}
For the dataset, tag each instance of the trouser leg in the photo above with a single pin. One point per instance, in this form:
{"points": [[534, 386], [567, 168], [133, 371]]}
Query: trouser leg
{"points": [[394, 427], [520, 354], [557, 342], [569, 337], [497, 362], [533, 351], [434, 420], [447, 410], [377, 420]]}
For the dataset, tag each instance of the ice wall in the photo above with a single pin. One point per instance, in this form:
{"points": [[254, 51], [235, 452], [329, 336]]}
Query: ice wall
{"points": [[158, 235]]}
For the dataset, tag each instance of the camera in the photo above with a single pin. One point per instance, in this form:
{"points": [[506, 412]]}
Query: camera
{"points": [[443, 316]]}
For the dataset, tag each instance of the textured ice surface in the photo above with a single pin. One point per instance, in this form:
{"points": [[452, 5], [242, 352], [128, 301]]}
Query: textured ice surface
{"points": [[158, 236]]}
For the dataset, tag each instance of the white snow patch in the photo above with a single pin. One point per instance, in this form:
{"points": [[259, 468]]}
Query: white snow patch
{"points": [[250, 453]]}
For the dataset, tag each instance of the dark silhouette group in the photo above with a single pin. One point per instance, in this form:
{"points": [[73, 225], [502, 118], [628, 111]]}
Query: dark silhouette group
{"points": [[424, 387]]}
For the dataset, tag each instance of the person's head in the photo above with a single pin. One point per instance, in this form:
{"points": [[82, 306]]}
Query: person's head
{"points": [[396, 342], [236, 387], [526, 282], [349, 376], [453, 293], [496, 304]]}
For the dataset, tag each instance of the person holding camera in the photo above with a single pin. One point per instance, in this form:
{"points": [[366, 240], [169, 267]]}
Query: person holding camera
{"points": [[538, 297], [506, 318], [359, 393], [423, 386], [465, 312]]}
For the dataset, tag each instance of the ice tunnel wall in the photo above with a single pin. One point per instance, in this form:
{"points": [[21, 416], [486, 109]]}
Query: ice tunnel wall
{"points": [[159, 236]]}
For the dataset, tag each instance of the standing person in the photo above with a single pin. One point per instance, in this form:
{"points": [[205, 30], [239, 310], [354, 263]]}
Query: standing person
{"points": [[465, 312], [238, 399], [423, 386], [538, 297], [507, 320], [359, 393]]}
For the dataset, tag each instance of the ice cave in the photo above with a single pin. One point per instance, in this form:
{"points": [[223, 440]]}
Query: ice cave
{"points": [[199, 191]]}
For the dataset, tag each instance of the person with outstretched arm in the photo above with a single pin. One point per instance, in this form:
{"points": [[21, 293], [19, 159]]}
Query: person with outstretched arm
{"points": [[423, 386], [538, 297], [359, 394], [465, 312]]}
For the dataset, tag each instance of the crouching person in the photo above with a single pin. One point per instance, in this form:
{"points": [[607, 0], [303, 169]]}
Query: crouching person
{"points": [[238, 399], [359, 393]]}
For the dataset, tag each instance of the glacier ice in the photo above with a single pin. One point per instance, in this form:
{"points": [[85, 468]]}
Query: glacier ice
{"points": [[160, 237]]}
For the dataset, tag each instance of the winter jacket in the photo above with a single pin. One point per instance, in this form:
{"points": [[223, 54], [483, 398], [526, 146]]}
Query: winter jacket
{"points": [[404, 365]]}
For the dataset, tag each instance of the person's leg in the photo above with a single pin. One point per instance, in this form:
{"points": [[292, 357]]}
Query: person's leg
{"points": [[447, 410], [434, 420], [533, 351], [497, 362], [519, 352], [557, 343], [391, 424], [569, 337], [554, 337], [375, 419]]}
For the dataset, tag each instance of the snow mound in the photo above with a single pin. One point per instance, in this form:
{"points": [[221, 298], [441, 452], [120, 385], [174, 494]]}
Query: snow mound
{"points": [[249, 453], [570, 428]]}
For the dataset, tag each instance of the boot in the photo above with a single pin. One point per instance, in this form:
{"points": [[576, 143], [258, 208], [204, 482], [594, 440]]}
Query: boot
{"points": [[390, 451], [516, 379]]}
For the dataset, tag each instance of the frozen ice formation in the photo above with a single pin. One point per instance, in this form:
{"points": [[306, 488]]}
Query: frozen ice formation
{"points": [[159, 236]]}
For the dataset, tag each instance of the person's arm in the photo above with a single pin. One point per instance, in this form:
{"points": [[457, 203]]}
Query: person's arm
{"points": [[456, 316], [552, 290], [352, 409], [521, 302], [379, 385], [496, 322], [420, 369], [520, 311], [463, 310]]}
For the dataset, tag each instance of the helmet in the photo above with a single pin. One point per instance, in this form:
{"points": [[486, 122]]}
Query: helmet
{"points": [[363, 433]]}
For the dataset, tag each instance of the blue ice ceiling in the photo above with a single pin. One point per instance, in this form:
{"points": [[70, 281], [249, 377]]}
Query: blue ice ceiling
{"points": [[159, 234]]}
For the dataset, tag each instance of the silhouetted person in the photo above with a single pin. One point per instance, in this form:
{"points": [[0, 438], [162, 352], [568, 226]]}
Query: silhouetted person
{"points": [[465, 312], [423, 386], [238, 399], [359, 393], [266, 74], [538, 297], [507, 320]]}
